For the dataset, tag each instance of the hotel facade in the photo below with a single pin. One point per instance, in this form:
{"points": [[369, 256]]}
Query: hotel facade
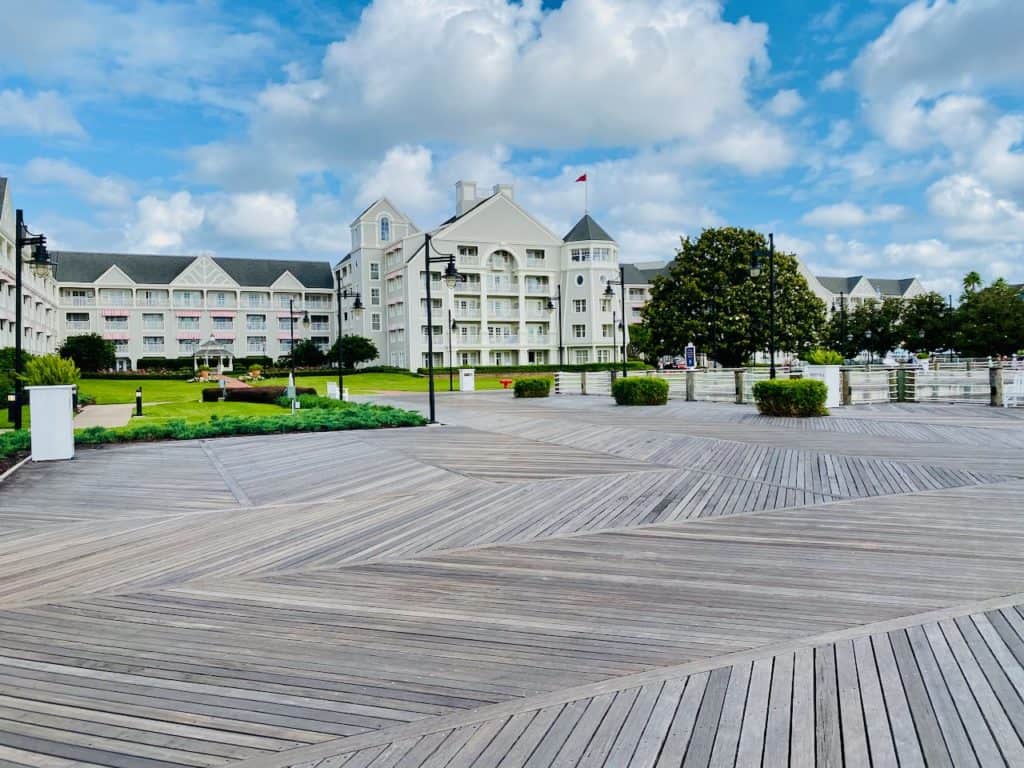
{"points": [[527, 295]]}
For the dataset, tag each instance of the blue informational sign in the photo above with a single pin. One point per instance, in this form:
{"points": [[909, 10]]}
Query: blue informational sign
{"points": [[691, 356]]}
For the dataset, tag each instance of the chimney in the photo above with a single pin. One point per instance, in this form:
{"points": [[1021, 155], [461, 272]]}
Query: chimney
{"points": [[465, 196], [504, 189]]}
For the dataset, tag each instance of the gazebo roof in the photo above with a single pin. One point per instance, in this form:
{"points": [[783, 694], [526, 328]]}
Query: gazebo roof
{"points": [[212, 347]]}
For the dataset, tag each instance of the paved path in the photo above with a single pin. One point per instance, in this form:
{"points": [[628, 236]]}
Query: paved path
{"points": [[556, 582], [116, 415]]}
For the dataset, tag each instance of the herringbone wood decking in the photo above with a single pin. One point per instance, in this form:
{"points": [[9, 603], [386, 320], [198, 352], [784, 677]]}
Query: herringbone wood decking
{"points": [[546, 583]]}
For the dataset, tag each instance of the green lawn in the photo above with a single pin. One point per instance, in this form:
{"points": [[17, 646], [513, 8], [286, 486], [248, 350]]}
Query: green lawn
{"points": [[108, 391], [368, 383], [5, 424], [200, 411]]}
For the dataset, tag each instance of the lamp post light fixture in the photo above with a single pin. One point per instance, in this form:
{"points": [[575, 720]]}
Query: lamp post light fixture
{"points": [[552, 301], [357, 310], [42, 265], [755, 271], [451, 277], [621, 282], [291, 332]]}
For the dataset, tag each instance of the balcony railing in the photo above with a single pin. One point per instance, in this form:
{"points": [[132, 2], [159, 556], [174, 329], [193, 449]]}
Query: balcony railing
{"points": [[468, 259], [538, 288], [470, 286], [153, 348], [78, 325], [188, 301], [256, 349], [318, 306], [152, 326], [506, 314], [150, 302], [472, 339], [503, 286], [257, 304], [117, 301], [538, 340], [504, 341], [320, 326], [467, 314], [79, 301], [256, 327]]}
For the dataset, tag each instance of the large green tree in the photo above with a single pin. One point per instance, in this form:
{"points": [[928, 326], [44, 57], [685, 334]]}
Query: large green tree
{"points": [[354, 350], [990, 321], [875, 326], [926, 323], [709, 298], [90, 352], [307, 354]]}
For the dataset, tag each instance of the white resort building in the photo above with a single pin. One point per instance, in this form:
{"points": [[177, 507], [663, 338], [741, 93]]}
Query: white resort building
{"points": [[157, 306], [527, 292], [39, 319]]}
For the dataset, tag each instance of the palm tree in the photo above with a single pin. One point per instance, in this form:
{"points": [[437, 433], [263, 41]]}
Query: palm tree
{"points": [[972, 282]]}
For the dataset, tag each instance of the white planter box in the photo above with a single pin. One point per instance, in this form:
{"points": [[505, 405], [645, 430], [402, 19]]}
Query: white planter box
{"points": [[53, 432], [467, 379], [830, 375]]}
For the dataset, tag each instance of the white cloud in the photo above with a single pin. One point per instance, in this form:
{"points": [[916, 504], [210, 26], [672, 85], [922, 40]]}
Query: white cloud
{"points": [[973, 212], [932, 50], [261, 218], [998, 157], [847, 215], [833, 81], [162, 224], [785, 102], [103, 191], [44, 114], [403, 175]]}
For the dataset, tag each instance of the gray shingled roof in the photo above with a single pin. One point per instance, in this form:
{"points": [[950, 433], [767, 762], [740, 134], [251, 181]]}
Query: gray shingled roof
{"points": [[82, 267], [587, 229], [890, 287], [635, 275], [3, 190], [839, 284]]}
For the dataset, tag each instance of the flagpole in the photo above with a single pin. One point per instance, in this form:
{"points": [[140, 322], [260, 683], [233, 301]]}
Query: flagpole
{"points": [[586, 196]]}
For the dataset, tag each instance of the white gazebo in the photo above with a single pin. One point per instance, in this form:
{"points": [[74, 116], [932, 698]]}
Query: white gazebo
{"points": [[211, 349]]}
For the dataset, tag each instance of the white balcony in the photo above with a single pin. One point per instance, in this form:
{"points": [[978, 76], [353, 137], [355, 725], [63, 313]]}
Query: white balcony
{"points": [[256, 349], [542, 341], [78, 325], [257, 304], [192, 301], [504, 341], [79, 301], [503, 314], [144, 302], [472, 340], [153, 349], [542, 289], [470, 286], [152, 326], [256, 327], [320, 326], [466, 314], [502, 286], [115, 327]]}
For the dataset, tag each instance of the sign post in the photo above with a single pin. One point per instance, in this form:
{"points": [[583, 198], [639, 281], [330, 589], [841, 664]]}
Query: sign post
{"points": [[691, 356]]}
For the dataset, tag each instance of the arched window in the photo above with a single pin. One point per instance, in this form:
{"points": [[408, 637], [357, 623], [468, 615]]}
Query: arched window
{"points": [[385, 229]]}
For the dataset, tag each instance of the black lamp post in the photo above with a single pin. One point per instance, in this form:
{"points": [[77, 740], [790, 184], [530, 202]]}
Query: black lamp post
{"points": [[357, 310], [451, 277], [755, 271], [842, 317], [42, 264], [552, 301], [621, 282], [291, 332], [952, 327], [452, 327]]}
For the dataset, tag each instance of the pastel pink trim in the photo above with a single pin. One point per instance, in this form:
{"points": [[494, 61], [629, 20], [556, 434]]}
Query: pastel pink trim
{"points": [[189, 313], [222, 313], [114, 313], [285, 337], [118, 335], [223, 336], [188, 335]]}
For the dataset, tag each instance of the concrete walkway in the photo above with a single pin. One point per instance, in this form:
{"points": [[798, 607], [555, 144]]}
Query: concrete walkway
{"points": [[116, 415]]}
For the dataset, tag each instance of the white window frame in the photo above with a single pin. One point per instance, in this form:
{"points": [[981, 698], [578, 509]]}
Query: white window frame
{"points": [[375, 324], [579, 305], [579, 331]]}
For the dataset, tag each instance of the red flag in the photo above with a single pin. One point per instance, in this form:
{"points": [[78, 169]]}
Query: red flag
{"points": [[582, 178]]}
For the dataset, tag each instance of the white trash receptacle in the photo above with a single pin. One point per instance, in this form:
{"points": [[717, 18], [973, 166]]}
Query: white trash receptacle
{"points": [[830, 375], [332, 391], [53, 430], [467, 379]]}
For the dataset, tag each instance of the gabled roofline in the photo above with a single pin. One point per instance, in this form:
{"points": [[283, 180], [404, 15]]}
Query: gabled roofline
{"points": [[385, 199], [481, 205]]}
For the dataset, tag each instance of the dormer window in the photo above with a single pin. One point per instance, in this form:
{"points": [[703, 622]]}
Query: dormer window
{"points": [[385, 229]]}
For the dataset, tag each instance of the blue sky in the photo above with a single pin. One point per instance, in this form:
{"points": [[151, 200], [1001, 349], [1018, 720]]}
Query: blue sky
{"points": [[874, 137]]}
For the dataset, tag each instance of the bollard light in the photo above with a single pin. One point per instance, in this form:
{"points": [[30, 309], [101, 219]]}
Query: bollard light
{"points": [[138, 401]]}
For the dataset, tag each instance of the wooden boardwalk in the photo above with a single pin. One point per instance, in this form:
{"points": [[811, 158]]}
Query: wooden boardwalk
{"points": [[533, 584]]}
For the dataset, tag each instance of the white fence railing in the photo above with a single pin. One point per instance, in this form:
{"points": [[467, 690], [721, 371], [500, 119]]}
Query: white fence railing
{"points": [[583, 383], [1013, 388], [869, 386], [949, 386]]}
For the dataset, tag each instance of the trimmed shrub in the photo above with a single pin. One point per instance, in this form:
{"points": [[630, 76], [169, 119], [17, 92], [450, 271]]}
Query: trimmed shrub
{"points": [[49, 370], [537, 387], [640, 390], [251, 394], [824, 357], [14, 442], [791, 397]]}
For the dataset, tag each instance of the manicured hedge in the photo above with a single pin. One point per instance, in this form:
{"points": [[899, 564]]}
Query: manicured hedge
{"points": [[791, 397], [536, 387], [14, 442], [640, 390], [251, 394]]}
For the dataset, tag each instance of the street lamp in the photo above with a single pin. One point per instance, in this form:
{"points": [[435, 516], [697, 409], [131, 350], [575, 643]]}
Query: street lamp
{"points": [[451, 277], [42, 263], [552, 301], [357, 310], [755, 271], [842, 316], [452, 328], [621, 282], [291, 332]]}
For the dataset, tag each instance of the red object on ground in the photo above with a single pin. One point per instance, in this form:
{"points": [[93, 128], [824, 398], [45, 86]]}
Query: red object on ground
{"points": [[505, 383]]}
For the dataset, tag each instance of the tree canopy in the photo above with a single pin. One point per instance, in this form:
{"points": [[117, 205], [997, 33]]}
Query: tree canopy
{"points": [[354, 350], [709, 298], [307, 354], [990, 320], [926, 323], [89, 351]]}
